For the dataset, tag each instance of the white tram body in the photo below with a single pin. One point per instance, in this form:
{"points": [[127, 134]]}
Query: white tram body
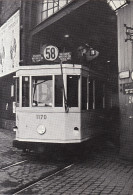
{"points": [[54, 105]]}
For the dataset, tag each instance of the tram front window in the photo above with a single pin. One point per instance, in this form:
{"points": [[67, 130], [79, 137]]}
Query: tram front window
{"points": [[58, 91], [72, 90], [84, 93], [25, 91], [42, 90], [17, 92]]}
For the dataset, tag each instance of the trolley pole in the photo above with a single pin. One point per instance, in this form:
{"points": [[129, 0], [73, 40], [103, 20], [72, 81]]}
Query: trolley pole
{"points": [[64, 93]]}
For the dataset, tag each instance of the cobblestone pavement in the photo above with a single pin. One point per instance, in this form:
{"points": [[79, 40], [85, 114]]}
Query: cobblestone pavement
{"points": [[101, 171], [21, 175], [8, 154]]}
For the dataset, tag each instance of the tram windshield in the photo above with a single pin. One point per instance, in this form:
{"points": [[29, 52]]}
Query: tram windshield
{"points": [[50, 91], [25, 91], [42, 91], [72, 90]]}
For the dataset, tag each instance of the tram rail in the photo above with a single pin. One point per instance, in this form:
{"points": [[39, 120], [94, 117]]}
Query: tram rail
{"points": [[44, 178], [12, 165]]}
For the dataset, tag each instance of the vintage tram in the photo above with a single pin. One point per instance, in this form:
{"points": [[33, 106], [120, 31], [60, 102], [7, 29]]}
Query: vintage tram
{"points": [[58, 104]]}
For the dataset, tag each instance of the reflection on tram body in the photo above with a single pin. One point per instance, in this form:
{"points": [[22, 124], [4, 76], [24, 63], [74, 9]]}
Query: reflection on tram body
{"points": [[58, 108]]}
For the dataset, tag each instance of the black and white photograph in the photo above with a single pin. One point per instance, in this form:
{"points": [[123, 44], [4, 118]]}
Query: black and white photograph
{"points": [[66, 97]]}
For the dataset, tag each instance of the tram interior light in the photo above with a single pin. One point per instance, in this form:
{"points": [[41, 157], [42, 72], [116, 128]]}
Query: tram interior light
{"points": [[92, 52], [66, 36]]}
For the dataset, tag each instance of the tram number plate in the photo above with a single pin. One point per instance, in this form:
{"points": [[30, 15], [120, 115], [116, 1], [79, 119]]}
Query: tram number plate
{"points": [[41, 116]]}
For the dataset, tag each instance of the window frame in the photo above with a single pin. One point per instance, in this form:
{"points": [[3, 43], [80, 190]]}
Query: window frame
{"points": [[79, 90], [62, 91], [94, 80], [87, 90], [21, 91], [71, 109], [31, 91], [115, 5], [17, 91], [44, 8]]}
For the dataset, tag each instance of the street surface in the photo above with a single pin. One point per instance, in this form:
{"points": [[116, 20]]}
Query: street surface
{"points": [[99, 171]]}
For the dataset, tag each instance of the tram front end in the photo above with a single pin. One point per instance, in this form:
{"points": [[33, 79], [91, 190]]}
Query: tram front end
{"points": [[48, 109]]}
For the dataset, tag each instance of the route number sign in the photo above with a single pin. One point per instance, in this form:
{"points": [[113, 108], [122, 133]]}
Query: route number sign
{"points": [[51, 53]]}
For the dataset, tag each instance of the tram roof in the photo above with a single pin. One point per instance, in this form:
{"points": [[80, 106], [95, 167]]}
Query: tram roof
{"points": [[39, 70], [52, 66]]}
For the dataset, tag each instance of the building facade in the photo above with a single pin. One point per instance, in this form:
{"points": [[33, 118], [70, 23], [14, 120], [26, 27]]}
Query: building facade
{"points": [[8, 12], [125, 64]]}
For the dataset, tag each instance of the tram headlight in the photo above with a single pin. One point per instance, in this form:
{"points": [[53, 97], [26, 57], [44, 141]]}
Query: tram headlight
{"points": [[41, 129]]}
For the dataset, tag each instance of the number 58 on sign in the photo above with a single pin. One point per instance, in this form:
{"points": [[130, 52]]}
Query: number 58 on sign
{"points": [[51, 53]]}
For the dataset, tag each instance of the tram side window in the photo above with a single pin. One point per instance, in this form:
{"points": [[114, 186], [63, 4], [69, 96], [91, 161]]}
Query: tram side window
{"points": [[72, 90], [58, 91], [84, 93], [17, 92], [99, 95], [42, 91], [25, 91], [91, 94]]}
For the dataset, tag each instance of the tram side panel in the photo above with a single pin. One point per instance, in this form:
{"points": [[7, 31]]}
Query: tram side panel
{"points": [[92, 124]]}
